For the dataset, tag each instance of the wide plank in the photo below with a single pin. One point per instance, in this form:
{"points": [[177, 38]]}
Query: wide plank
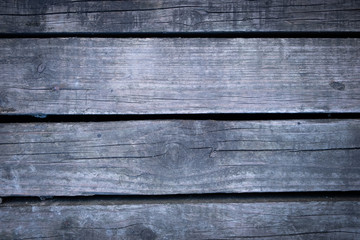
{"points": [[131, 16], [270, 220], [161, 76], [179, 156]]}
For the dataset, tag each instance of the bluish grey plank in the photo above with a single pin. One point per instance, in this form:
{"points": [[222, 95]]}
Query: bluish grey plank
{"points": [[154, 16], [270, 220], [179, 76], [176, 156]]}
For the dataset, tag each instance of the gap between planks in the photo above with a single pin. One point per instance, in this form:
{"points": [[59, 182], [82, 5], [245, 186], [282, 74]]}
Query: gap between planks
{"points": [[309, 34], [323, 196], [30, 118]]}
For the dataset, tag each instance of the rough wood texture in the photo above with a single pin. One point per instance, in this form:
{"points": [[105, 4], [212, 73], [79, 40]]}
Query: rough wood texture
{"points": [[170, 157], [19, 16], [272, 220], [147, 76]]}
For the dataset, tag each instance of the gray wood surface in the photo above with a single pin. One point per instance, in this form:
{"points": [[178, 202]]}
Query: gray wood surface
{"points": [[19, 16], [271, 220], [160, 76], [178, 156]]}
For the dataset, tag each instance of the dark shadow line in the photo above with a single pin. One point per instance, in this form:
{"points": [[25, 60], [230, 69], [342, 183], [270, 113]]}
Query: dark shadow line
{"points": [[238, 34], [189, 198], [134, 117]]}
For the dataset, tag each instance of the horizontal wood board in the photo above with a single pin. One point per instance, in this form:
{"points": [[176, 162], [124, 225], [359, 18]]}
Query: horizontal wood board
{"points": [[272, 220], [179, 76], [179, 156], [43, 76], [131, 16]]}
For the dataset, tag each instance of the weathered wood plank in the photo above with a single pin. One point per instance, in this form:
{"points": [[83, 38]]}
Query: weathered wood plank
{"points": [[160, 76], [170, 157], [273, 220], [29, 16]]}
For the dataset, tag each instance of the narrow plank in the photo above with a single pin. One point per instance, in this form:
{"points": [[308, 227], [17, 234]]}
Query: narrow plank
{"points": [[31, 16], [177, 156], [161, 76], [273, 220]]}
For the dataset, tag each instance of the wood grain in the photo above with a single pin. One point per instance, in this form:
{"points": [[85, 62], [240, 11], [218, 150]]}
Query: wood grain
{"points": [[35, 16], [162, 76], [177, 156], [273, 220]]}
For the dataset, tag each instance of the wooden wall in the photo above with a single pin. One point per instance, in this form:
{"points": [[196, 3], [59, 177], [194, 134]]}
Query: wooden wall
{"points": [[180, 119]]}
